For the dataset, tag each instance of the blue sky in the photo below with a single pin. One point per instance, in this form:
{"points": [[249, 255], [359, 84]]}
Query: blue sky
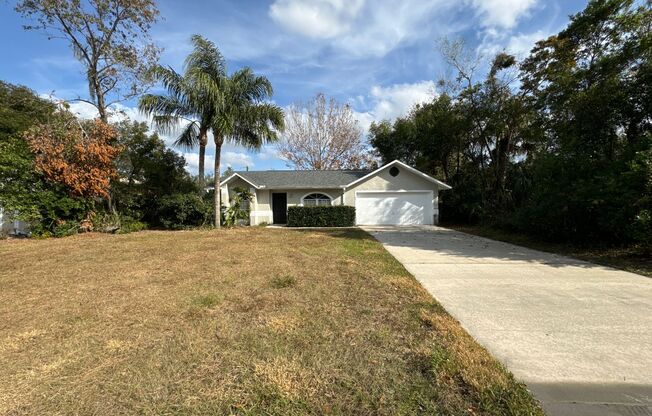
{"points": [[378, 55]]}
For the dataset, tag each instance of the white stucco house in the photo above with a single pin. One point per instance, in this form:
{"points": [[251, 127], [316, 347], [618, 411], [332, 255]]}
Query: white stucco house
{"points": [[11, 226], [394, 194]]}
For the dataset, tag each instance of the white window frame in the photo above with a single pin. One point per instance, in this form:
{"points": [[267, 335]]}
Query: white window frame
{"points": [[303, 204]]}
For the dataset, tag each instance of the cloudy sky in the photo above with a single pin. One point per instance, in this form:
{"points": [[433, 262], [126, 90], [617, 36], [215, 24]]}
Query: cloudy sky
{"points": [[378, 55]]}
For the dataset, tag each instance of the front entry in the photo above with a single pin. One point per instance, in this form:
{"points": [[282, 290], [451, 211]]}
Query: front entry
{"points": [[280, 208]]}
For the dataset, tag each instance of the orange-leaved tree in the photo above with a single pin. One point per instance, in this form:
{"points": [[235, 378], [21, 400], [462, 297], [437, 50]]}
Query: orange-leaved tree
{"points": [[77, 154]]}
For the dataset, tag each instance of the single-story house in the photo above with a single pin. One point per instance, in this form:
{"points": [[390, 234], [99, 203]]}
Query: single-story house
{"points": [[11, 226], [394, 194]]}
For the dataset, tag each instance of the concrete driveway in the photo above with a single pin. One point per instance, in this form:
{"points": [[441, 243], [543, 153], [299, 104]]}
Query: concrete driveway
{"points": [[579, 335]]}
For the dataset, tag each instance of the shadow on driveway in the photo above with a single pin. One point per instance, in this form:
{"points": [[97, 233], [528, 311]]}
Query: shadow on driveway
{"points": [[578, 334]]}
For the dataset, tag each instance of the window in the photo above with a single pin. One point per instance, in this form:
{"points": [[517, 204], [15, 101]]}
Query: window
{"points": [[314, 200], [393, 171]]}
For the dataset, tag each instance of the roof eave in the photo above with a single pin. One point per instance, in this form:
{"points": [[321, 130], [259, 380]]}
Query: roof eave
{"points": [[225, 181], [441, 185]]}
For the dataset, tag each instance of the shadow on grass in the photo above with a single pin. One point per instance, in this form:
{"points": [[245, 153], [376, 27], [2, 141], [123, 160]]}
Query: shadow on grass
{"points": [[347, 233]]}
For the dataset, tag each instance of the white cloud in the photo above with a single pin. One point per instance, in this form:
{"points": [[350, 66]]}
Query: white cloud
{"points": [[117, 112], [82, 109], [388, 103], [395, 100], [521, 44], [192, 163], [518, 44], [237, 160], [268, 152], [502, 13], [316, 18], [364, 28]]}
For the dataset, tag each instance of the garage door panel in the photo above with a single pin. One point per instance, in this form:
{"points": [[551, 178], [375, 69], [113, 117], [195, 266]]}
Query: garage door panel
{"points": [[394, 208]]}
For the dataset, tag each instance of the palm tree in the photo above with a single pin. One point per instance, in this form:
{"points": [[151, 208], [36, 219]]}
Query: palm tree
{"points": [[243, 117], [233, 107], [188, 101]]}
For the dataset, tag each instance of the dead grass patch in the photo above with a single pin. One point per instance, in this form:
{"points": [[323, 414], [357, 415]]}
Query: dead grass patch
{"points": [[219, 322]]}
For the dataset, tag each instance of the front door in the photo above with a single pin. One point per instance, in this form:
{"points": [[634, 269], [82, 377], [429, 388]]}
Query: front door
{"points": [[280, 208]]}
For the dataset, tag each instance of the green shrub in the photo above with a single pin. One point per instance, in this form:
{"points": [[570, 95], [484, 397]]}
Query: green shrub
{"points": [[236, 212], [332, 216], [182, 211], [65, 228], [129, 225]]}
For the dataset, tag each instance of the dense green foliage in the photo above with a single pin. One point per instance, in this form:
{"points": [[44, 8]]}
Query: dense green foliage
{"points": [[238, 210], [148, 172], [179, 211], [24, 193], [151, 178], [324, 216], [564, 154]]}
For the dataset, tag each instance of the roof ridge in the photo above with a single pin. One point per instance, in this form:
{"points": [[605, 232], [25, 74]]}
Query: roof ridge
{"points": [[304, 170]]}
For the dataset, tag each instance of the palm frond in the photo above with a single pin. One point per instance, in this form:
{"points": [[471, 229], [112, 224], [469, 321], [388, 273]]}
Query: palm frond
{"points": [[189, 137], [257, 125], [206, 57]]}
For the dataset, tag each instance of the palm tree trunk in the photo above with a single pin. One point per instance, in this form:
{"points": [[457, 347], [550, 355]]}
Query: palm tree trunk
{"points": [[203, 141], [202, 156], [216, 208]]}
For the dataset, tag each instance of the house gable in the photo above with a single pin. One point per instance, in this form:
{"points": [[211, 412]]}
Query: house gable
{"points": [[404, 181], [400, 166]]}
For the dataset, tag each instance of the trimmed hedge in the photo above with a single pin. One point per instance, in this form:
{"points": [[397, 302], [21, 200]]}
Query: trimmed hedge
{"points": [[332, 216]]}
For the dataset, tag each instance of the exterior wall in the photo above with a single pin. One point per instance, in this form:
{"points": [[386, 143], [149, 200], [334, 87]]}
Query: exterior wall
{"points": [[404, 181], [261, 205], [228, 191], [295, 195], [10, 226], [235, 183], [262, 210]]}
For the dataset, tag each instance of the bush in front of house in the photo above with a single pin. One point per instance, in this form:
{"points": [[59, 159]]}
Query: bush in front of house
{"points": [[179, 211], [331, 216]]}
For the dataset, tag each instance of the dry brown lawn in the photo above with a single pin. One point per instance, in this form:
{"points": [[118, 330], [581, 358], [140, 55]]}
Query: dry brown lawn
{"points": [[238, 321]]}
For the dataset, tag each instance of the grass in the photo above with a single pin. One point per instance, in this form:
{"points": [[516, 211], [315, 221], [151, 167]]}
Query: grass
{"points": [[241, 321], [280, 282], [630, 259]]}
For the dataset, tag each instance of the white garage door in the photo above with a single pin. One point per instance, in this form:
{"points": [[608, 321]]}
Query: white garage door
{"points": [[393, 208]]}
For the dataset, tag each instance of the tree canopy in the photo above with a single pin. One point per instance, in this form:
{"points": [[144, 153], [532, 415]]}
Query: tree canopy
{"points": [[110, 38], [323, 134], [559, 145]]}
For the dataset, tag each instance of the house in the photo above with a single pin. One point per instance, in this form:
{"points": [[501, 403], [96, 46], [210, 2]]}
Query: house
{"points": [[394, 194], [11, 226]]}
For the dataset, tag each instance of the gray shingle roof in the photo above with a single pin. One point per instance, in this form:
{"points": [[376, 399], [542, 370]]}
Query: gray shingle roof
{"points": [[285, 179]]}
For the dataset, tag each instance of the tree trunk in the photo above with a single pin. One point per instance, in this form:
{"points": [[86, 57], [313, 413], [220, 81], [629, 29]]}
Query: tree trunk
{"points": [[202, 157], [100, 101], [216, 208], [502, 150], [102, 110]]}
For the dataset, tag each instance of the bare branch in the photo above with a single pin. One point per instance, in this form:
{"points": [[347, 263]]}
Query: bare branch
{"points": [[323, 134]]}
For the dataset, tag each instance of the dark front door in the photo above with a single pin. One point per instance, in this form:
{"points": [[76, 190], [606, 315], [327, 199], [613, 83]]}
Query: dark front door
{"points": [[280, 208]]}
